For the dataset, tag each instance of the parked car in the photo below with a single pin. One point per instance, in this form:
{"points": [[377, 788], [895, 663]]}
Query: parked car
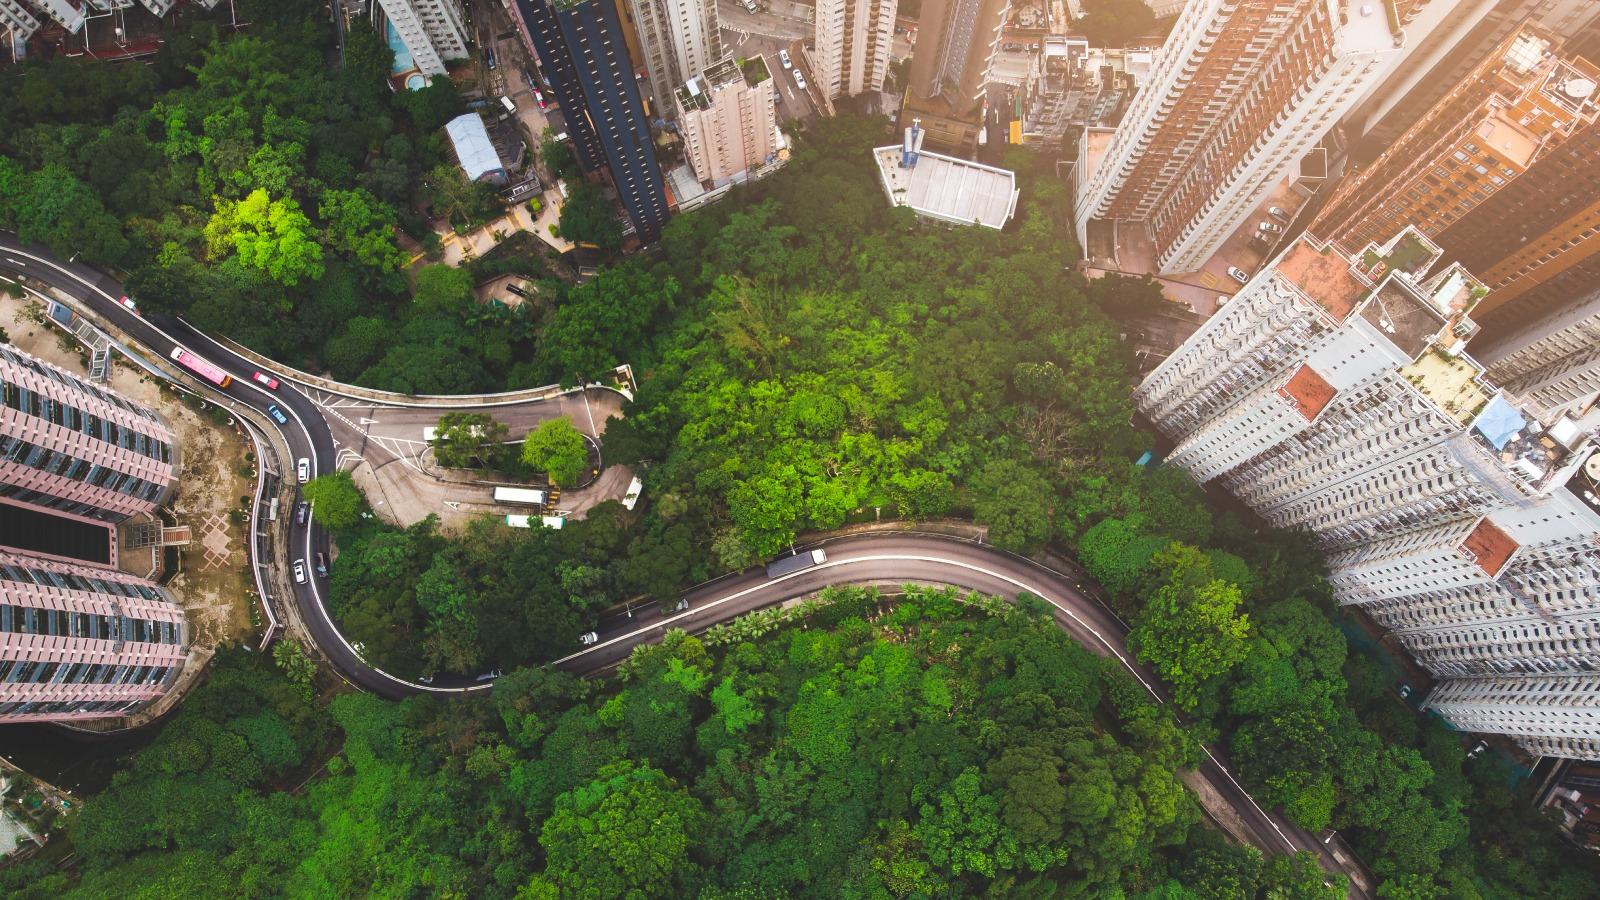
{"points": [[277, 414], [488, 57], [513, 288], [128, 304], [588, 638], [799, 80], [322, 564], [1278, 214], [266, 381], [1269, 227], [299, 571], [302, 468], [302, 512], [1238, 274], [539, 96], [783, 57]]}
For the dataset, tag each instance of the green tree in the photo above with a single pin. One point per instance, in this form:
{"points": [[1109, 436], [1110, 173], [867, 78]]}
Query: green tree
{"points": [[557, 156], [588, 217], [1015, 502], [271, 235], [470, 440], [335, 500], [1113, 23], [362, 227], [629, 833], [557, 449], [1191, 629]]}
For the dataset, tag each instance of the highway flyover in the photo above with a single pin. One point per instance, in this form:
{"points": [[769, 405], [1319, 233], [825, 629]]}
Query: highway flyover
{"points": [[877, 558]]}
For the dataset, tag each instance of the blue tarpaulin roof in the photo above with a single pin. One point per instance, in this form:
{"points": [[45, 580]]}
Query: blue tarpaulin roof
{"points": [[1499, 422]]}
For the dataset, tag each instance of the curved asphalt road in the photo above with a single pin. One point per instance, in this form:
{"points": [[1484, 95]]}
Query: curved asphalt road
{"points": [[889, 558]]}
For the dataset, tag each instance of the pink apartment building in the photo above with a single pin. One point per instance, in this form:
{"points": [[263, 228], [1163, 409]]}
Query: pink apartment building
{"points": [[79, 640]]}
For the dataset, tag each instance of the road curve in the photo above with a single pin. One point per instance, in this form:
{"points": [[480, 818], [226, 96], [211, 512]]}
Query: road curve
{"points": [[878, 558]]}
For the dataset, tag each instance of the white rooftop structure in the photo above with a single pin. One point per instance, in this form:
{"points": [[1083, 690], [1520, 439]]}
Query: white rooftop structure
{"points": [[945, 187], [473, 147]]}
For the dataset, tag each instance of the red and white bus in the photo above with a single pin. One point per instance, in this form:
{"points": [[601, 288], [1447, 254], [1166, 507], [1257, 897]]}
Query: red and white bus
{"points": [[202, 368]]}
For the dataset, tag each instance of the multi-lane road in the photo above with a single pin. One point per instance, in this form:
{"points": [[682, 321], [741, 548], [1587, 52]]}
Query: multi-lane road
{"points": [[881, 558]]}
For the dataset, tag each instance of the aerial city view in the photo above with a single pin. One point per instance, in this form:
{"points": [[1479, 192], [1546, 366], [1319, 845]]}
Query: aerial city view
{"points": [[747, 449]]}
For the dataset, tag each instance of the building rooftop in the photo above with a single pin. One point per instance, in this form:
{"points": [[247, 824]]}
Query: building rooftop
{"points": [[1512, 141], [947, 188], [1368, 27], [1325, 277], [1404, 317], [1489, 547], [1453, 382], [474, 150], [1309, 392]]}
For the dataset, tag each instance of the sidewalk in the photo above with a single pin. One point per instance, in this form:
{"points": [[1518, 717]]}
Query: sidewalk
{"points": [[460, 248]]}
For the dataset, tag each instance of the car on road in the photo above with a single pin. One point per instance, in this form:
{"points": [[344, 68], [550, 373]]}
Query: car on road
{"points": [[302, 468], [681, 605], [490, 675], [322, 564], [277, 415], [299, 571], [783, 57], [265, 380], [1278, 214], [127, 303], [799, 80], [1238, 274], [588, 638], [488, 58], [1269, 227], [302, 512], [425, 679]]}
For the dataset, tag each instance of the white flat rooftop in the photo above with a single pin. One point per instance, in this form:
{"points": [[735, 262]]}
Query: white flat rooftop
{"points": [[947, 188]]}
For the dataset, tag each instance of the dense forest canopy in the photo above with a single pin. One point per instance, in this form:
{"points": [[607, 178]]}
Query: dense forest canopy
{"points": [[809, 358]]}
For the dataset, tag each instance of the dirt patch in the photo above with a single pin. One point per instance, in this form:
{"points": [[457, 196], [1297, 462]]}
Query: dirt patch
{"points": [[216, 482]]}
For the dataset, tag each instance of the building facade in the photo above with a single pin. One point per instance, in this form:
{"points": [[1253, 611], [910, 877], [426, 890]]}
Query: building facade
{"points": [[1552, 362], [433, 30], [581, 48], [72, 447], [1332, 394], [16, 19], [852, 45], [1239, 94], [677, 39], [729, 125], [956, 45], [83, 642], [1522, 101]]}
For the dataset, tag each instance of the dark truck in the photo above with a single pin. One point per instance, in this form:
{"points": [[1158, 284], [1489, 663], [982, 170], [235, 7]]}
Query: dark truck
{"points": [[783, 565]]}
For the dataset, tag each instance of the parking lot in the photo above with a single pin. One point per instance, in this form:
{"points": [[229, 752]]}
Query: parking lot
{"points": [[1242, 251]]}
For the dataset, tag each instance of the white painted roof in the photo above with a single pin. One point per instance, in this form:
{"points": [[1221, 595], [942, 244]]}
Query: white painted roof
{"points": [[944, 187]]}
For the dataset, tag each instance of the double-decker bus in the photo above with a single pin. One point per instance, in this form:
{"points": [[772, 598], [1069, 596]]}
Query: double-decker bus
{"points": [[202, 368]]}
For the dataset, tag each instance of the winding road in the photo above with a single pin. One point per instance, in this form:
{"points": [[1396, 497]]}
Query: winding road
{"points": [[879, 558]]}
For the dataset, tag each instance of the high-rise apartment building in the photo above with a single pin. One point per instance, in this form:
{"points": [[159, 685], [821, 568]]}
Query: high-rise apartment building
{"points": [[16, 19], [677, 39], [82, 642], [1442, 57], [729, 125], [1333, 394], [1521, 102], [852, 45], [1553, 361], [956, 45], [72, 447], [432, 30], [581, 47], [1240, 93]]}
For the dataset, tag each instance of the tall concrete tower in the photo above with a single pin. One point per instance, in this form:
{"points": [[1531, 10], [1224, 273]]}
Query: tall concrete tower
{"points": [[1240, 92]]}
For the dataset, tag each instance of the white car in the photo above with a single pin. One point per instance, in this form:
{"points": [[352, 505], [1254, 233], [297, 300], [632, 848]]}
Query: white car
{"points": [[1238, 274], [588, 637], [783, 57], [799, 80], [299, 571], [302, 468]]}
